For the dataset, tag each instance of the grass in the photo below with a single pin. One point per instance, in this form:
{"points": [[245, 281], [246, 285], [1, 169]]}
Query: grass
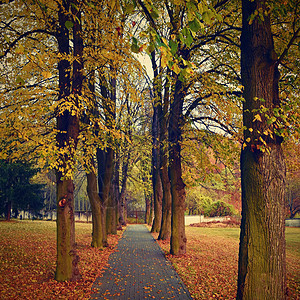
{"points": [[28, 256], [209, 269]]}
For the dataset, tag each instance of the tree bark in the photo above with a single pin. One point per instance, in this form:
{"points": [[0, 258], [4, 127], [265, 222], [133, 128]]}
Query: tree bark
{"points": [[262, 268], [105, 171], [123, 189], [165, 230], [156, 179], [148, 201], [157, 195], [110, 114], [178, 237], [67, 137], [95, 201], [8, 210]]}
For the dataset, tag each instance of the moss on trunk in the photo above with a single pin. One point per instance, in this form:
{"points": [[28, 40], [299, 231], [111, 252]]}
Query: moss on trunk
{"points": [[262, 269]]}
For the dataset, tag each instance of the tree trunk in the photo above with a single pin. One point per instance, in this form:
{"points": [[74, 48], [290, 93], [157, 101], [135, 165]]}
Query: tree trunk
{"points": [[262, 268], [178, 238], [148, 219], [156, 180], [8, 211], [92, 191], [165, 230], [122, 210], [105, 157], [105, 171], [67, 137], [157, 194], [116, 184], [111, 214], [110, 115]]}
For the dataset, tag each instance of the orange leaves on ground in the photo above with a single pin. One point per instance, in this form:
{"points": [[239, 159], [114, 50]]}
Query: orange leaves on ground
{"points": [[210, 267], [28, 258]]}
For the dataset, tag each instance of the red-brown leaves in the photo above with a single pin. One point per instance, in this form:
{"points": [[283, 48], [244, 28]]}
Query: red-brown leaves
{"points": [[28, 257], [209, 269]]}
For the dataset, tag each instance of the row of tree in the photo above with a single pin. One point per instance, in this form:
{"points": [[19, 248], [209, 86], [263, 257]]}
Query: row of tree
{"points": [[73, 92]]}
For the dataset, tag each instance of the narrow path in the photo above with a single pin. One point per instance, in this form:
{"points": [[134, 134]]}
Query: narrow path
{"points": [[139, 270]]}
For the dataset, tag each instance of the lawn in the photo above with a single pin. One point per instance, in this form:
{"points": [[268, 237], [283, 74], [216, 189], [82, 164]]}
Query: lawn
{"points": [[28, 256], [209, 269]]}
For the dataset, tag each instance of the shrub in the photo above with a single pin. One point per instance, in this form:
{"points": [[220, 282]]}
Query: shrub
{"points": [[198, 203], [220, 209]]}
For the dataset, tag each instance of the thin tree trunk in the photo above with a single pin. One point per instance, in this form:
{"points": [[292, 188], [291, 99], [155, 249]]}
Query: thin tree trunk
{"points": [[178, 237], [8, 211], [110, 113], [148, 209], [156, 179], [262, 268], [123, 215], [158, 195], [165, 230], [95, 201]]}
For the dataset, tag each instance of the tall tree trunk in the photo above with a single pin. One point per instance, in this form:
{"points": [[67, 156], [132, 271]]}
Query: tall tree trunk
{"points": [[156, 179], [105, 171], [67, 137], [178, 238], [116, 196], [157, 199], [123, 214], [165, 230], [116, 183], [262, 268], [105, 157], [110, 114], [111, 215]]}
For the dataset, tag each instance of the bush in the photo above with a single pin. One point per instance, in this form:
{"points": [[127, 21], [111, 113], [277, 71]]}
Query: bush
{"points": [[221, 209], [197, 203]]}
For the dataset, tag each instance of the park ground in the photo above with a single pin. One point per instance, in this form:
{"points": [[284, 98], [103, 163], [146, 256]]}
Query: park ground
{"points": [[209, 269]]}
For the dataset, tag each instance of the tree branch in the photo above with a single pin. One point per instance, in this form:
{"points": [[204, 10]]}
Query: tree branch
{"points": [[198, 101], [289, 45], [23, 35]]}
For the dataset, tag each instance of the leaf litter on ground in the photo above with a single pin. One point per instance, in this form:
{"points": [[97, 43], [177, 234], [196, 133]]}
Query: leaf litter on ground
{"points": [[209, 269], [28, 260]]}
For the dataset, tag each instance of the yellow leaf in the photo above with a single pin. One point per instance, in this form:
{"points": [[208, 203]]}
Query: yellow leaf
{"points": [[248, 140], [257, 118], [176, 69], [46, 74]]}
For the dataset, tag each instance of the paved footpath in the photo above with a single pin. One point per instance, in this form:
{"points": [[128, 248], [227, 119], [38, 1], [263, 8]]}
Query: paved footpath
{"points": [[139, 270]]}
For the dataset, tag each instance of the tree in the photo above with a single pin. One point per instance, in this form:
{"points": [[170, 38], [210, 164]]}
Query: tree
{"points": [[262, 268], [70, 91], [156, 176], [17, 191]]}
